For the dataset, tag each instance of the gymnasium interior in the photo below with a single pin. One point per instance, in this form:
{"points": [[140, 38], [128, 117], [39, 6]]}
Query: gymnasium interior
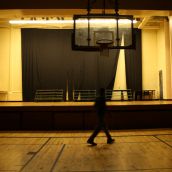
{"points": [[56, 55]]}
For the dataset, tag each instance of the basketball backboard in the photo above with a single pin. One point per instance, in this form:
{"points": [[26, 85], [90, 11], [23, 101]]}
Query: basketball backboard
{"points": [[90, 30]]}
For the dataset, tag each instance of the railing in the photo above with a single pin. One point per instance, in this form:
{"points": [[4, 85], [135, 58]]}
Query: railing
{"points": [[119, 95], [49, 95], [84, 95], [90, 95], [110, 95]]}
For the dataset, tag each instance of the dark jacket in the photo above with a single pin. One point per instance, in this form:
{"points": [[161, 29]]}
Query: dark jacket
{"points": [[100, 106]]}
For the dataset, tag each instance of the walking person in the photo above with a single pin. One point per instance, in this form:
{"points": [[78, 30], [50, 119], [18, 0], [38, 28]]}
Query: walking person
{"points": [[100, 106]]}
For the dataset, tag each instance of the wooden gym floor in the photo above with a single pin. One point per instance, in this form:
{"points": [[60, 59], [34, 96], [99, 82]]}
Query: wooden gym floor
{"points": [[133, 151]]}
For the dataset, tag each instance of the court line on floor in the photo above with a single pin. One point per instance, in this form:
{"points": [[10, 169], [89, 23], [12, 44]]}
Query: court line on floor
{"points": [[34, 155], [156, 136], [58, 157]]}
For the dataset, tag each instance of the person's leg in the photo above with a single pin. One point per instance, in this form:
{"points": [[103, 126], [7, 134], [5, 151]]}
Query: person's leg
{"points": [[106, 132], [94, 134], [109, 137]]}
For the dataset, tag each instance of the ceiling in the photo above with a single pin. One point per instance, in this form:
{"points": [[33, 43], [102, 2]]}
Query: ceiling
{"points": [[147, 19], [82, 4], [148, 14]]}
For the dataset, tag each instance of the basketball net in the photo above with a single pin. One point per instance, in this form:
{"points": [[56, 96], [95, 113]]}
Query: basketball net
{"points": [[104, 50], [104, 45]]}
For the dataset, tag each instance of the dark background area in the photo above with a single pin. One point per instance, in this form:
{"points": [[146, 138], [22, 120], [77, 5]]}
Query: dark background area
{"points": [[82, 4], [48, 62]]}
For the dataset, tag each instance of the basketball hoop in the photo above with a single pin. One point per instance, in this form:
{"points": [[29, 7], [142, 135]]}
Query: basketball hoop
{"points": [[89, 28], [104, 45]]}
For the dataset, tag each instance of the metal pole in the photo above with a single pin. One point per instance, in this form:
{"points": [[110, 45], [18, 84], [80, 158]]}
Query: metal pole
{"points": [[88, 10], [116, 7], [104, 6]]}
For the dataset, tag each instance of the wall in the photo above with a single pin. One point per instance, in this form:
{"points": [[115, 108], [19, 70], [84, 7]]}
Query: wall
{"points": [[15, 88], [10, 64], [163, 49], [4, 61], [170, 52], [149, 60], [155, 58]]}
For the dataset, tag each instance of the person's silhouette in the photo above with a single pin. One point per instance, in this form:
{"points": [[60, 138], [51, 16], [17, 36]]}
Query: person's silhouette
{"points": [[100, 106]]}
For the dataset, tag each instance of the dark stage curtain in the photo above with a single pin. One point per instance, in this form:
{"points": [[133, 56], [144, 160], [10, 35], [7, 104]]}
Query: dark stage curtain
{"points": [[48, 62], [133, 60]]}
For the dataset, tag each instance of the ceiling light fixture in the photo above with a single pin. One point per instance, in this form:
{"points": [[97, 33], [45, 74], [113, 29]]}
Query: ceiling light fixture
{"points": [[58, 21], [20, 22]]}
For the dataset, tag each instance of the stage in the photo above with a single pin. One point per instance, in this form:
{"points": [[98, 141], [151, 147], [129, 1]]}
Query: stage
{"points": [[82, 116]]}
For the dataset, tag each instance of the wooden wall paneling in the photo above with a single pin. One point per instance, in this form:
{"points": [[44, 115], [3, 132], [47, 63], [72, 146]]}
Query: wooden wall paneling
{"points": [[90, 120], [37, 120], [9, 120], [71, 120]]}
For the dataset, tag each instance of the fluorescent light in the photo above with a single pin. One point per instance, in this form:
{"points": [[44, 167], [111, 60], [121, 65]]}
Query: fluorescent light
{"points": [[94, 21], [41, 21], [105, 21]]}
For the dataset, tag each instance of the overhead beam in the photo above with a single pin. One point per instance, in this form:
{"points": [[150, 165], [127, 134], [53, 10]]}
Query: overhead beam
{"points": [[144, 22]]}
